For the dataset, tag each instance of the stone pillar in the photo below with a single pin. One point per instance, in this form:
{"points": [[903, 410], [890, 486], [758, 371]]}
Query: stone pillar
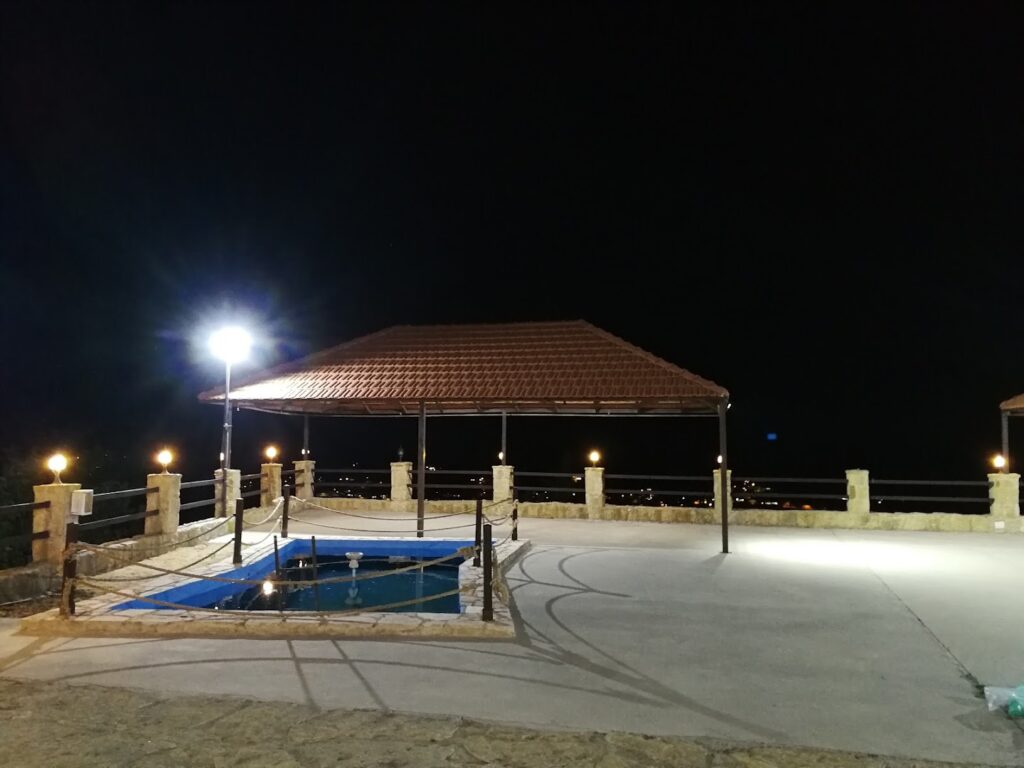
{"points": [[858, 491], [401, 480], [594, 483], [166, 501], [1004, 493], [502, 480], [270, 484], [304, 478], [716, 475], [53, 519], [234, 490]]}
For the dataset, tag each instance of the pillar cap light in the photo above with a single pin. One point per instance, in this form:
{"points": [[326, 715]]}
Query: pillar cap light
{"points": [[164, 458], [999, 461], [594, 456], [231, 344], [57, 464], [270, 452]]}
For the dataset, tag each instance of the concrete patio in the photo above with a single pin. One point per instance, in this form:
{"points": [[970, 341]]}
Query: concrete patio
{"points": [[867, 641]]}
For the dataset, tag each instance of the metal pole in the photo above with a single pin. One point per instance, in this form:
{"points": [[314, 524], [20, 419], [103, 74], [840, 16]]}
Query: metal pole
{"points": [[477, 532], [515, 515], [421, 471], [305, 436], [1006, 440], [227, 415], [504, 438], [488, 586], [239, 511], [277, 562], [723, 407]]}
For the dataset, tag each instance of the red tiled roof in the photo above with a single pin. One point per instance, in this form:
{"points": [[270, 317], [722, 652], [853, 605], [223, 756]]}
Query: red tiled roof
{"points": [[1013, 405], [555, 367]]}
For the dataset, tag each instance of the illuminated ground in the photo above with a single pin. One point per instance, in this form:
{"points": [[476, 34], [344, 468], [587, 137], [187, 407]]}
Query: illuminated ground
{"points": [[871, 642]]}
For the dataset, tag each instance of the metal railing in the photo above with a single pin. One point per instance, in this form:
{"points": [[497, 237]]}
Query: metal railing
{"points": [[530, 492], [121, 522], [350, 479], [883, 499]]}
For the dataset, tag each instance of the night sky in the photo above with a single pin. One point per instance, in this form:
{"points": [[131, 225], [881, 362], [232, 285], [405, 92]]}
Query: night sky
{"points": [[818, 206]]}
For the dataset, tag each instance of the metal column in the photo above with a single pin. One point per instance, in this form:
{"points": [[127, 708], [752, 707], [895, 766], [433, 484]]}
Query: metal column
{"points": [[1006, 441], [227, 417], [305, 437], [723, 477], [421, 471], [504, 436]]}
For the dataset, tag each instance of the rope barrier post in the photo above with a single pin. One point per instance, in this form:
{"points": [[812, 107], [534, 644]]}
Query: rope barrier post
{"points": [[515, 515], [277, 562], [70, 574], [284, 514], [488, 586], [476, 532], [239, 510], [316, 587]]}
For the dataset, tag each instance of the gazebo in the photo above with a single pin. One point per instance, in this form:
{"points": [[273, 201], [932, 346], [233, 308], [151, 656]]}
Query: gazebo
{"points": [[542, 368], [1012, 407]]}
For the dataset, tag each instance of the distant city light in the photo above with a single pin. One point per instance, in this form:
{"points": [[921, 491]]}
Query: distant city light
{"points": [[57, 464], [271, 452], [999, 461], [594, 456], [231, 344], [164, 458]]}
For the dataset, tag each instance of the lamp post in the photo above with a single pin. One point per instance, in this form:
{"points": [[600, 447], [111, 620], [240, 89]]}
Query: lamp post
{"points": [[230, 344]]}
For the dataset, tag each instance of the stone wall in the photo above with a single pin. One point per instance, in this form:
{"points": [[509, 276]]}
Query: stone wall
{"points": [[787, 518]]}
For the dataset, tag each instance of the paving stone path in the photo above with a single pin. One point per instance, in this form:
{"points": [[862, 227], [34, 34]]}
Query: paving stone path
{"points": [[54, 725]]}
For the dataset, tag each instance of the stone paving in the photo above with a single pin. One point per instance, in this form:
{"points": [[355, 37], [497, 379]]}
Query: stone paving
{"points": [[96, 615], [47, 725]]}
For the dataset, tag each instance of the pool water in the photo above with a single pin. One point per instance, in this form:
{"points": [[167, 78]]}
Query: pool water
{"points": [[379, 555], [418, 585]]}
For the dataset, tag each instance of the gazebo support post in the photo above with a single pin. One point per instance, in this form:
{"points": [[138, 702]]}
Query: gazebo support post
{"points": [[1006, 440], [504, 438], [421, 470], [723, 476], [305, 437]]}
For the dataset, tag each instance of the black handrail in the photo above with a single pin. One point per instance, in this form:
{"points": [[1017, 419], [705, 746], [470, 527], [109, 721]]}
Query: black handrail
{"points": [[682, 478], [112, 495], [107, 521], [788, 480], [25, 506], [975, 483], [643, 492], [197, 484], [197, 504], [353, 470]]}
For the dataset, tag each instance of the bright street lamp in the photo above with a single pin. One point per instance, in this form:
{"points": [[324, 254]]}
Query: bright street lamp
{"points": [[57, 464], [594, 456], [999, 461], [230, 344]]}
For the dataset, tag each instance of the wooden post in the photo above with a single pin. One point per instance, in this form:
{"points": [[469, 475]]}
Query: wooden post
{"points": [[488, 566], [476, 532], [67, 602], [239, 511], [284, 513], [316, 587]]}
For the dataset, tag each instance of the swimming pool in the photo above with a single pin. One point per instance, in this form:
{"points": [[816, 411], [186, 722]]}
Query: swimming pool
{"points": [[415, 587]]}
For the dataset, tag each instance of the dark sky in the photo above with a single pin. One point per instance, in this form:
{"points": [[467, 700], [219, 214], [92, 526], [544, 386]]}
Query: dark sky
{"points": [[818, 206]]}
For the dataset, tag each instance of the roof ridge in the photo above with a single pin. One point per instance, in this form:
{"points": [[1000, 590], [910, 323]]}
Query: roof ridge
{"points": [[650, 356]]}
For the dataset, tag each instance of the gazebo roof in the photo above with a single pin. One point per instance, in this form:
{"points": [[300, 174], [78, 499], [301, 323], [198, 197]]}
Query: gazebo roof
{"points": [[1013, 405], [556, 367]]}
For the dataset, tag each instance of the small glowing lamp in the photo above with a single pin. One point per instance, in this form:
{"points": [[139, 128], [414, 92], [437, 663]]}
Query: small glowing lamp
{"points": [[268, 587], [231, 344], [999, 461], [501, 455], [719, 458], [594, 456], [164, 458], [270, 453], [57, 464]]}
